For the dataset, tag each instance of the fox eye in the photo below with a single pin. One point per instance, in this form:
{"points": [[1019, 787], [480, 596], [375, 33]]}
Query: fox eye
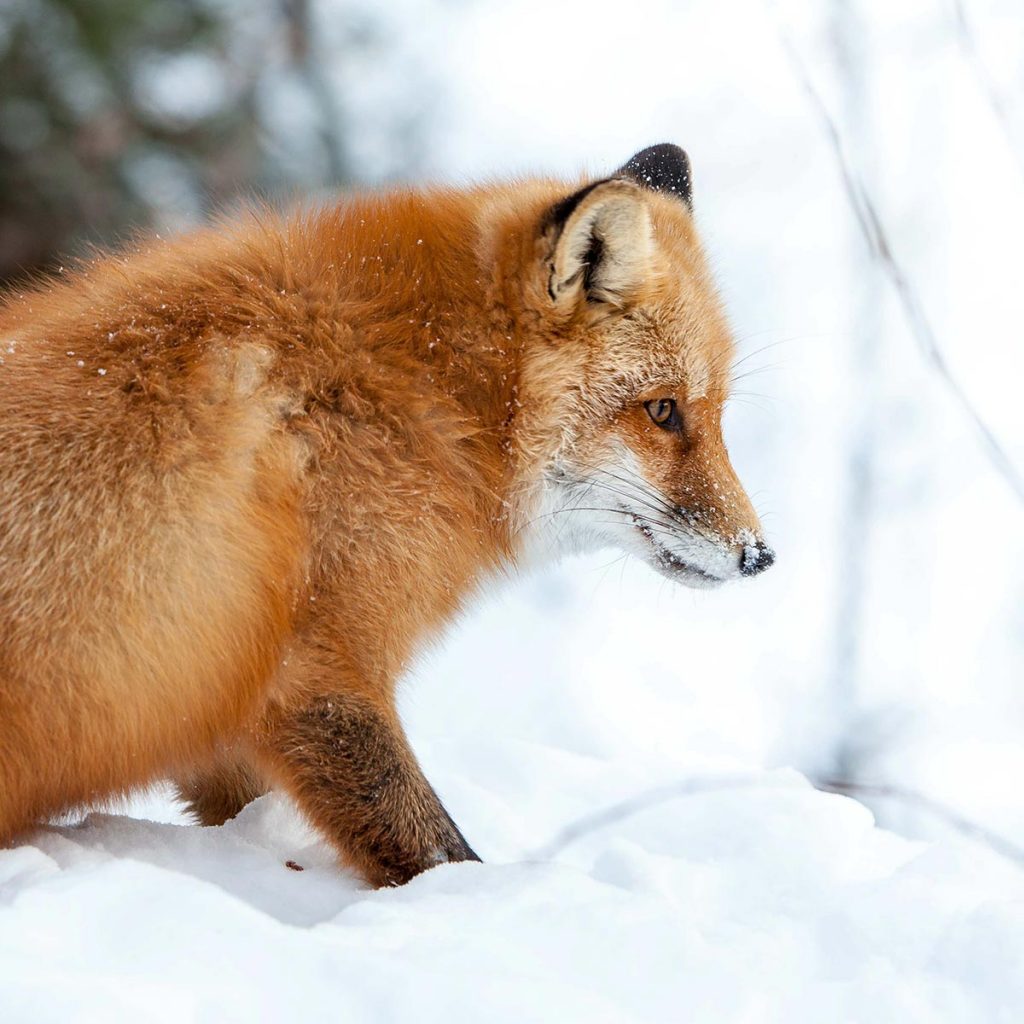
{"points": [[664, 412]]}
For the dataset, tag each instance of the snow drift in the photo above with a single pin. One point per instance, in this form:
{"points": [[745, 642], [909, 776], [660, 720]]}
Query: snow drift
{"points": [[747, 899]]}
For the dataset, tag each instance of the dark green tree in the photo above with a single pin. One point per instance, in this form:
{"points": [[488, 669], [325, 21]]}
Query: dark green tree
{"points": [[116, 114]]}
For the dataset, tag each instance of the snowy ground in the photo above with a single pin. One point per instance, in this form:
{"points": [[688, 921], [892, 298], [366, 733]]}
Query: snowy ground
{"points": [[761, 900], [741, 895]]}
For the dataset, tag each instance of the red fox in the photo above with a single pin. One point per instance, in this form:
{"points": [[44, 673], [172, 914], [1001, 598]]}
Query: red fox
{"points": [[247, 474]]}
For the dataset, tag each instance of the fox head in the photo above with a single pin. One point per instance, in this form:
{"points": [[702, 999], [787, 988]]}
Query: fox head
{"points": [[624, 372]]}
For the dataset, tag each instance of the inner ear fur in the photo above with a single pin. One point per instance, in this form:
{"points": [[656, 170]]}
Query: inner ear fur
{"points": [[600, 242]]}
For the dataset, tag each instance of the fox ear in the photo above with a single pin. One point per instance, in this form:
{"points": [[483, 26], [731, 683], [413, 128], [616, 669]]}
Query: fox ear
{"points": [[662, 168], [601, 243]]}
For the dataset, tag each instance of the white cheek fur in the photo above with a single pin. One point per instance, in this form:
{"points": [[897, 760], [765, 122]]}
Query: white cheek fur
{"points": [[574, 510]]}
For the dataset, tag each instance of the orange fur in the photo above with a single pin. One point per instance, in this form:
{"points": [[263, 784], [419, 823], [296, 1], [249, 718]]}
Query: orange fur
{"points": [[247, 474]]}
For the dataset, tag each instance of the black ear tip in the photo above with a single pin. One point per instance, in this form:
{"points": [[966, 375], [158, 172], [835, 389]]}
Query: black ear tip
{"points": [[661, 168]]}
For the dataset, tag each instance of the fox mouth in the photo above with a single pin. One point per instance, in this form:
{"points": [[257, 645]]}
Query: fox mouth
{"points": [[671, 565]]}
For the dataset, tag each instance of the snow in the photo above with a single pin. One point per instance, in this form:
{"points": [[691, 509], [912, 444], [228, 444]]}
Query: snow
{"points": [[735, 892], [749, 898]]}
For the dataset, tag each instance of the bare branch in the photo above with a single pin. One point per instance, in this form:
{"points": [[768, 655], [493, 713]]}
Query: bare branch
{"points": [[302, 33], [657, 796], [643, 801], [878, 242], [862, 432], [971, 829]]}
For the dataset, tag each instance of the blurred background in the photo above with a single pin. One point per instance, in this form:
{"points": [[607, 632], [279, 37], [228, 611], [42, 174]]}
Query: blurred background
{"points": [[859, 181]]}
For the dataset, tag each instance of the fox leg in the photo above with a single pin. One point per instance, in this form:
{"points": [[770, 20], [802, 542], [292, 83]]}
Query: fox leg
{"points": [[218, 791], [345, 760]]}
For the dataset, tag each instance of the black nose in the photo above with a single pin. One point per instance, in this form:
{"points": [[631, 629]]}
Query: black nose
{"points": [[756, 558]]}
